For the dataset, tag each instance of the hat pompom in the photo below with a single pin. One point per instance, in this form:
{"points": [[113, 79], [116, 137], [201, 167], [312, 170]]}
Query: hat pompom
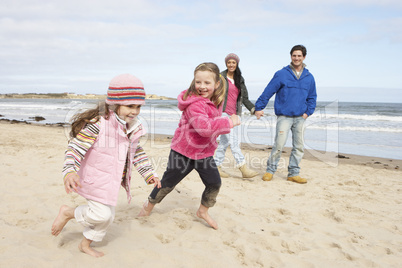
{"points": [[125, 89]]}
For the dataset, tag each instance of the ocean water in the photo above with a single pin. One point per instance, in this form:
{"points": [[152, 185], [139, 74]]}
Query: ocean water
{"points": [[369, 129]]}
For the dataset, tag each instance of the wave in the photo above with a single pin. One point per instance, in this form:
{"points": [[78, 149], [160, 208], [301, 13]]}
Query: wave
{"points": [[361, 117], [354, 128], [163, 112], [254, 124], [340, 116], [43, 107]]}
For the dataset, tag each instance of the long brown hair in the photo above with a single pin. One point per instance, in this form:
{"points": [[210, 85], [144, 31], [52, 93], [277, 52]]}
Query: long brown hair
{"points": [[219, 93], [79, 120]]}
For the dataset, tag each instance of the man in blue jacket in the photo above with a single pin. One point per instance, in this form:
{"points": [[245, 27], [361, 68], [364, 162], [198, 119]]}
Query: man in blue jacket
{"points": [[295, 100]]}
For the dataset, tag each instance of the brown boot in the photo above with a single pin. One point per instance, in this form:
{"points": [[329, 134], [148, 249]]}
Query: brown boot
{"points": [[267, 176], [246, 172], [222, 173], [297, 179]]}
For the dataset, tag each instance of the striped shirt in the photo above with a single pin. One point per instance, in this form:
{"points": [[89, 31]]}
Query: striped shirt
{"points": [[78, 147]]}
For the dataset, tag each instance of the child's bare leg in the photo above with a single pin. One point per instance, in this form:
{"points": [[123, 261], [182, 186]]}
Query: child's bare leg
{"points": [[66, 213], [146, 209], [203, 214], [85, 247]]}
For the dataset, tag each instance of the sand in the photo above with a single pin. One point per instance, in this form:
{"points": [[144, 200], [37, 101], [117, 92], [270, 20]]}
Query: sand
{"points": [[349, 214]]}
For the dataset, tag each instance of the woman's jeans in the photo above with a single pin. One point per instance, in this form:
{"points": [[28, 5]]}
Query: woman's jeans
{"points": [[283, 125], [231, 139]]}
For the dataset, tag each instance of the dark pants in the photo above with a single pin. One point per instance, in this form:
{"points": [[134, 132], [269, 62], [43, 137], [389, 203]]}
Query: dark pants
{"points": [[179, 166]]}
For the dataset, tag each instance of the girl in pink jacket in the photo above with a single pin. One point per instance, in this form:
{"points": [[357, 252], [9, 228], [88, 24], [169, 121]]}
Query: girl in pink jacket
{"points": [[194, 141], [99, 159]]}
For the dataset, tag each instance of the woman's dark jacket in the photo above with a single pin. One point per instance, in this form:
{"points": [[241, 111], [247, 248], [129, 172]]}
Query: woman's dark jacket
{"points": [[242, 98]]}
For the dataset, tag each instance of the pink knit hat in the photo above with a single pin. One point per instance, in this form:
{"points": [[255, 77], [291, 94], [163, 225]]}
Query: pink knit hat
{"points": [[125, 89], [232, 56]]}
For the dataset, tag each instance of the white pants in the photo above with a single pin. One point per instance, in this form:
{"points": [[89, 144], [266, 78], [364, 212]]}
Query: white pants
{"points": [[96, 217]]}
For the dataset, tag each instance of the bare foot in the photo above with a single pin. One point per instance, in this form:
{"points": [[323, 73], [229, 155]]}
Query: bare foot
{"points": [[85, 247], [146, 209], [202, 213], [66, 213]]}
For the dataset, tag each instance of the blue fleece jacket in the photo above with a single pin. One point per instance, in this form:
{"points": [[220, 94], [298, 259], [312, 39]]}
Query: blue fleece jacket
{"points": [[294, 97]]}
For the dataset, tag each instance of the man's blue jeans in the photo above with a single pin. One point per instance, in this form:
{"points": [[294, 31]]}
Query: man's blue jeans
{"points": [[283, 125]]}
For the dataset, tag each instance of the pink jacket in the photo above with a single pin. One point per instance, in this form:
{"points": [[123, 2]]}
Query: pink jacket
{"points": [[200, 125], [103, 165]]}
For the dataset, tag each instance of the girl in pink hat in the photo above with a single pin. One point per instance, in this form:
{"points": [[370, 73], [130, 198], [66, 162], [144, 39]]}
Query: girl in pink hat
{"points": [[194, 140], [103, 148]]}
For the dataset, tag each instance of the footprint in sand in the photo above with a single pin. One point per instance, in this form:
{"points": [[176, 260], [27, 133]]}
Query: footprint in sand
{"points": [[164, 239]]}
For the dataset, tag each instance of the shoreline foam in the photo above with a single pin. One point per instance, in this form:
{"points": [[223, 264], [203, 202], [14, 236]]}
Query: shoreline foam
{"points": [[315, 155]]}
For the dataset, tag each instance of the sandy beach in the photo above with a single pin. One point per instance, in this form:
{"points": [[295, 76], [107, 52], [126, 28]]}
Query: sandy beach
{"points": [[349, 214]]}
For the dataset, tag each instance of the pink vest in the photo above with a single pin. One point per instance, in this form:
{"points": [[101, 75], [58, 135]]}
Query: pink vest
{"points": [[103, 165]]}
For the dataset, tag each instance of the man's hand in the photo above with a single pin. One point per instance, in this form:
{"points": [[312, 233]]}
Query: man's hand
{"points": [[258, 114]]}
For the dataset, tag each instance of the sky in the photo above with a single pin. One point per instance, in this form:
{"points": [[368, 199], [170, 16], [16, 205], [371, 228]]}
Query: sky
{"points": [[353, 46]]}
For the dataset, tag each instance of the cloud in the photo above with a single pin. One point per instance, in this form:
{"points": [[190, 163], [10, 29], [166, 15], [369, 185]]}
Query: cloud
{"points": [[70, 45], [334, 3], [389, 29]]}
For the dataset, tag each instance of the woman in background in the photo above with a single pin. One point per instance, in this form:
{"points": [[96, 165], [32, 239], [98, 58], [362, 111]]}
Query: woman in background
{"points": [[235, 96]]}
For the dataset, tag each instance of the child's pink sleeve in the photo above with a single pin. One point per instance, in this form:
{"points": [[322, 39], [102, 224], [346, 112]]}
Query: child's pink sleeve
{"points": [[206, 126]]}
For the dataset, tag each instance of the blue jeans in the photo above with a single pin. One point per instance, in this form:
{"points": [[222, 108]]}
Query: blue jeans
{"points": [[283, 125], [232, 140]]}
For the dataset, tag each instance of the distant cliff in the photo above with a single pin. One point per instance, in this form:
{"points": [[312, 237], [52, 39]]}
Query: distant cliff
{"points": [[69, 96]]}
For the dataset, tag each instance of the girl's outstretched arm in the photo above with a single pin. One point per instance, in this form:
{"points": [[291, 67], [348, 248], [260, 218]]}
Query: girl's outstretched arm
{"points": [[71, 182], [206, 126], [144, 167]]}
